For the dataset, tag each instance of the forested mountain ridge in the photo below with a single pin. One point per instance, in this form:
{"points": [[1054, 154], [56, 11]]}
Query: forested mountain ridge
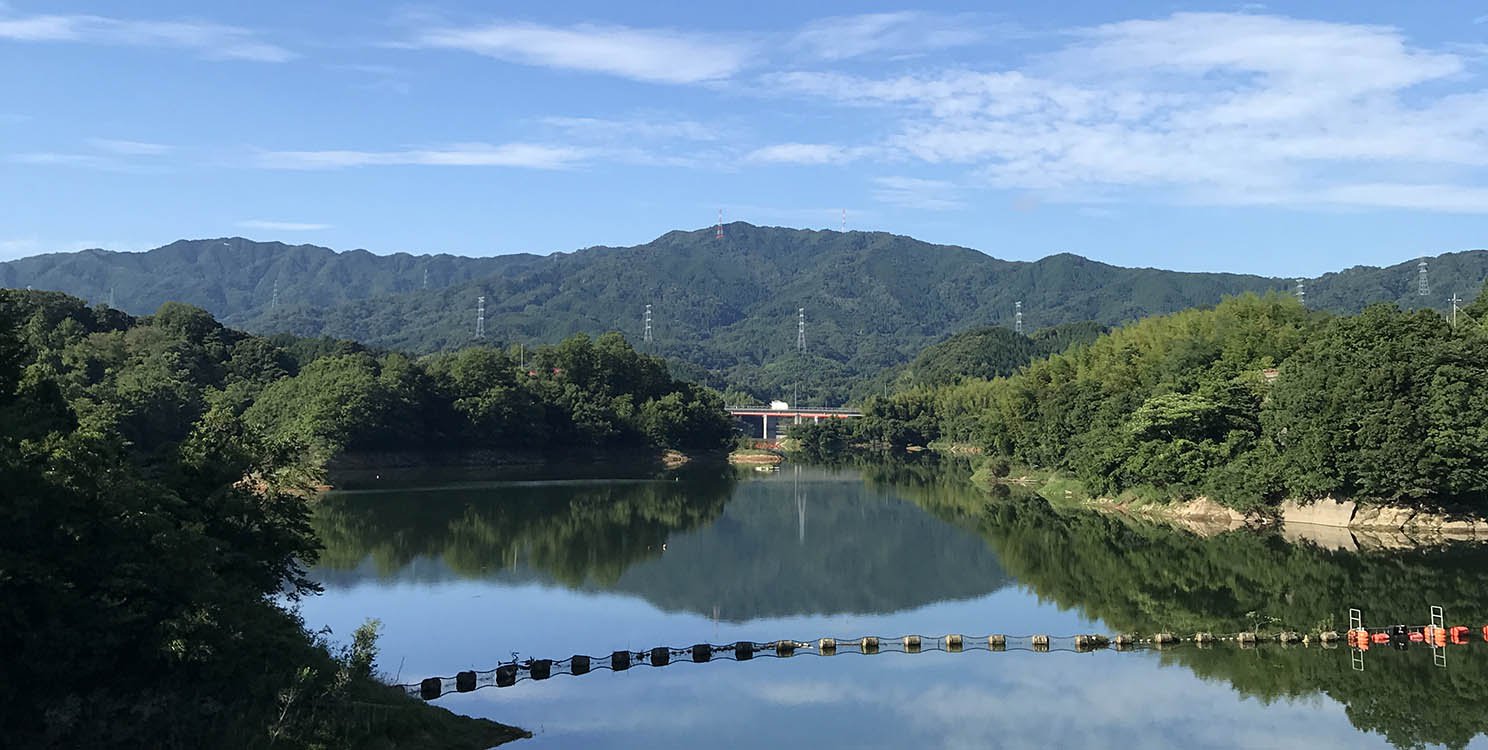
{"points": [[724, 311], [236, 279]]}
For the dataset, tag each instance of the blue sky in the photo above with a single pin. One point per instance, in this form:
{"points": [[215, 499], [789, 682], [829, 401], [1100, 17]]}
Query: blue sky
{"points": [[1284, 139]]}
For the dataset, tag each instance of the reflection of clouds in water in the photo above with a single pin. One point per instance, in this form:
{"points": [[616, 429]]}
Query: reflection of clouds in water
{"points": [[971, 700]]}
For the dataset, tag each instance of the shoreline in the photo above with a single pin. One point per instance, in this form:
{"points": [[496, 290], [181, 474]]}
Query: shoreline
{"points": [[1327, 523], [364, 469]]}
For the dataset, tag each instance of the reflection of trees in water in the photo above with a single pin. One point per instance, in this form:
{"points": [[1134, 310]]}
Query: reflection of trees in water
{"points": [[817, 548], [778, 548], [1140, 577], [575, 532]]}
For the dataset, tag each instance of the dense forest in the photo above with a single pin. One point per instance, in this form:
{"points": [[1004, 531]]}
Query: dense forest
{"points": [[724, 312], [1252, 401], [155, 524]]}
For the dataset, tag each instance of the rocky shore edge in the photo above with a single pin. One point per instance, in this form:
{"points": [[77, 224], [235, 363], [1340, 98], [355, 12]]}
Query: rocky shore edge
{"points": [[1328, 523]]}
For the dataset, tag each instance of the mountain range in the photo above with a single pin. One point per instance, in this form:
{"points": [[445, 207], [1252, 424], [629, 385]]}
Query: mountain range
{"points": [[725, 310]]}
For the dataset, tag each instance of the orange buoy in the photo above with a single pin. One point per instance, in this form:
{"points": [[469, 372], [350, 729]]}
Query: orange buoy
{"points": [[1416, 636], [1459, 635], [1381, 637], [1485, 632]]}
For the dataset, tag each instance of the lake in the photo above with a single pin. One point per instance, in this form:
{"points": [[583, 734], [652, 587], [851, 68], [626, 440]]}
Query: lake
{"points": [[466, 575]]}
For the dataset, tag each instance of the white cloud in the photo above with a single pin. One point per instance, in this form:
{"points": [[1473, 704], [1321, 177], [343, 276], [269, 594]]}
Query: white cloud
{"points": [[127, 148], [918, 193], [1215, 107], [652, 55], [616, 129], [209, 40], [523, 155], [844, 37], [804, 153], [105, 153], [282, 226], [53, 158]]}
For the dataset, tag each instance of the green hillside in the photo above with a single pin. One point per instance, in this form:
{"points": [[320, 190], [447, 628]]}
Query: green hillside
{"points": [[723, 311], [236, 279]]}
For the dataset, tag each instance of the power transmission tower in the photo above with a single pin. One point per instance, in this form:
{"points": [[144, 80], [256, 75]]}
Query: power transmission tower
{"points": [[844, 220], [718, 233], [111, 298], [426, 278], [1455, 300], [1018, 317], [801, 329], [480, 317], [646, 336], [1422, 287], [274, 303], [1302, 292]]}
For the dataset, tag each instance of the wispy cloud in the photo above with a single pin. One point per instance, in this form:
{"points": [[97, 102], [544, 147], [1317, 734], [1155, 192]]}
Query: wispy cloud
{"points": [[1229, 108], [54, 158], [607, 129], [523, 155], [101, 153], [127, 148], [917, 193], [905, 32], [804, 153], [653, 55], [209, 40]]}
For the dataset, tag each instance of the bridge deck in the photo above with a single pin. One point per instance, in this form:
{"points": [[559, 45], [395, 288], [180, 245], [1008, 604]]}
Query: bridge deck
{"points": [[760, 411]]}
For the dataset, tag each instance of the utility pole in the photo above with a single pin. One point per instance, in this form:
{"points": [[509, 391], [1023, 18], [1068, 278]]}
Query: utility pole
{"points": [[480, 317], [1455, 300], [1018, 317], [646, 335]]}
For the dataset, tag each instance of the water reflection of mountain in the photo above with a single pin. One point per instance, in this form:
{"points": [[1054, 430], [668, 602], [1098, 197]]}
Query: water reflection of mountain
{"points": [[575, 533], [819, 546], [812, 543], [1138, 577]]}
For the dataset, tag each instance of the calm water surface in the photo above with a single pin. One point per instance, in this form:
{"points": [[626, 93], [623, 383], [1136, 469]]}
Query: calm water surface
{"points": [[469, 575]]}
